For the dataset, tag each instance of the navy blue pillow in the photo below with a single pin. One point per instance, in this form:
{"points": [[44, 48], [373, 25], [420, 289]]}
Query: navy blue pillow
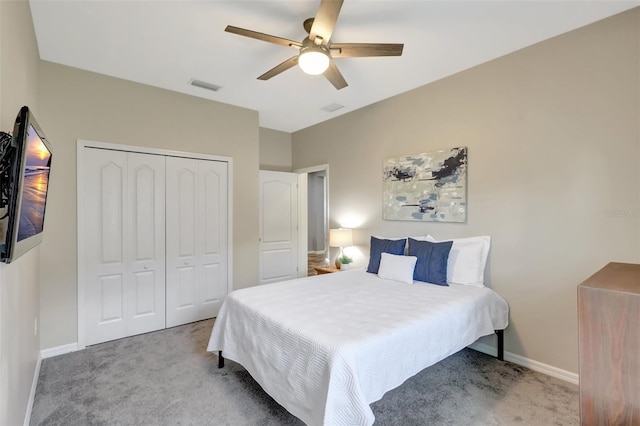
{"points": [[379, 246], [431, 266]]}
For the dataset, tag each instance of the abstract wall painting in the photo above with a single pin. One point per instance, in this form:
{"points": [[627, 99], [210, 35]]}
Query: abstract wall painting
{"points": [[426, 187]]}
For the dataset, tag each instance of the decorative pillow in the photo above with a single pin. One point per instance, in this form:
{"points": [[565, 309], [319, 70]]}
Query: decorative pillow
{"points": [[467, 260], [393, 239], [379, 246], [431, 266], [397, 267]]}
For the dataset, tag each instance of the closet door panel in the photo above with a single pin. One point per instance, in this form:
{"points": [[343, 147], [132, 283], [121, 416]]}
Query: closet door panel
{"points": [[213, 182], [145, 241], [143, 194], [111, 291], [182, 233], [124, 243], [186, 208], [144, 297], [111, 176], [211, 192], [196, 239], [104, 197], [186, 288], [213, 290]]}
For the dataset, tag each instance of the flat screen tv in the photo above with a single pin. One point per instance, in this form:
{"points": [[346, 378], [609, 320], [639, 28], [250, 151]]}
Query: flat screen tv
{"points": [[27, 162]]}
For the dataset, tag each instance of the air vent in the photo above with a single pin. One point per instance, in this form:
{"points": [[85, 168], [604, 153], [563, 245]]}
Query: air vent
{"points": [[332, 107], [204, 85]]}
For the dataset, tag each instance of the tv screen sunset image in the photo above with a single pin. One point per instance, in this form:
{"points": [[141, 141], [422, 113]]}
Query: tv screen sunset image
{"points": [[34, 190]]}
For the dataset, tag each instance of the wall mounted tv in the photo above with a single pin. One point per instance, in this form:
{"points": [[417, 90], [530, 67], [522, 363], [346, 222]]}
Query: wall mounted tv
{"points": [[25, 162]]}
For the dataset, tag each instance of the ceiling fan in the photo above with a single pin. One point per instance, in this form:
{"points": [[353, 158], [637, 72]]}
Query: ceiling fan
{"points": [[316, 52]]}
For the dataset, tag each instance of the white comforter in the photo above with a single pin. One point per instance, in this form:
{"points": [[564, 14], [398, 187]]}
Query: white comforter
{"points": [[326, 347]]}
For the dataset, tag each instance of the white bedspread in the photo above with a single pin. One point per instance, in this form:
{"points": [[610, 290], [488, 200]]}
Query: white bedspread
{"points": [[326, 347]]}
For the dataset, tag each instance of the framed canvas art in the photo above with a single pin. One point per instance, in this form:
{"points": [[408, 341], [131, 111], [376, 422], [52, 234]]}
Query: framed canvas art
{"points": [[426, 187]]}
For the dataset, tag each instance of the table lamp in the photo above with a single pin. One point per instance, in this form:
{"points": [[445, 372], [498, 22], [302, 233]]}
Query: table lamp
{"points": [[340, 238]]}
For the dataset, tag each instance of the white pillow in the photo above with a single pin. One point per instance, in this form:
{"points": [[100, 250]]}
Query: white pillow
{"points": [[397, 268], [467, 260]]}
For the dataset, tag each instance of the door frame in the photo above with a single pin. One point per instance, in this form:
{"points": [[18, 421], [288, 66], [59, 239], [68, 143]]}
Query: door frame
{"points": [[80, 146], [303, 212]]}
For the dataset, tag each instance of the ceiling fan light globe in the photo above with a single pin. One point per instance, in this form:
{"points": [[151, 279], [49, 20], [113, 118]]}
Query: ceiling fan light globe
{"points": [[313, 61]]}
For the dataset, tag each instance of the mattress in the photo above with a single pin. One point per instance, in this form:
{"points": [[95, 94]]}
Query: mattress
{"points": [[326, 347]]}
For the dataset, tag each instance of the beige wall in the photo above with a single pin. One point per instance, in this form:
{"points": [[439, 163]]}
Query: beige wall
{"points": [[19, 283], [82, 105], [553, 145], [275, 150]]}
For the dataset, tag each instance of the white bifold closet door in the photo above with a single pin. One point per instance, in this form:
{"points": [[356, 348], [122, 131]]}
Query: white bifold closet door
{"points": [[125, 244], [196, 239], [155, 238]]}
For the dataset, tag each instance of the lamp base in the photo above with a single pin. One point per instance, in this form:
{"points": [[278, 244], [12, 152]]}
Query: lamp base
{"points": [[338, 263]]}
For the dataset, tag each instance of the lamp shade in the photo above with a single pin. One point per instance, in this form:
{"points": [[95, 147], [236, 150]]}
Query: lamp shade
{"points": [[340, 237], [313, 60]]}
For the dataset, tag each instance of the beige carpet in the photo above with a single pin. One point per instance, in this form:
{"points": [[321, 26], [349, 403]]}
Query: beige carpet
{"points": [[167, 378]]}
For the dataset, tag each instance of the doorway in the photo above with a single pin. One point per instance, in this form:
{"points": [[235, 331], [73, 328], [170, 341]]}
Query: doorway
{"points": [[315, 209]]}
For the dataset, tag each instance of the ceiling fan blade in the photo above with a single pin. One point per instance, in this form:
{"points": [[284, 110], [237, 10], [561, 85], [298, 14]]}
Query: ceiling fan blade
{"points": [[264, 37], [325, 20], [359, 50], [291, 62], [335, 77]]}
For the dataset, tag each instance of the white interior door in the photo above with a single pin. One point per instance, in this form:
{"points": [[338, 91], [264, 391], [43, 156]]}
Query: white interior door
{"points": [[278, 226], [124, 243], [196, 239]]}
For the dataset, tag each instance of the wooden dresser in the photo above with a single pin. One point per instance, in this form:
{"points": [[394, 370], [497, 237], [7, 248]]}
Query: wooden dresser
{"points": [[609, 346]]}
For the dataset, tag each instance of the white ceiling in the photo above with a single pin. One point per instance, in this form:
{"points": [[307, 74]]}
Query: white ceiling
{"points": [[167, 43]]}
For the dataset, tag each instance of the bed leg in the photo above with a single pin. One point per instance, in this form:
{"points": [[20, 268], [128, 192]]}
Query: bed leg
{"points": [[500, 334], [220, 360]]}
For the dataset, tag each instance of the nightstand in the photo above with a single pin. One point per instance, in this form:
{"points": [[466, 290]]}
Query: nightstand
{"points": [[326, 269]]}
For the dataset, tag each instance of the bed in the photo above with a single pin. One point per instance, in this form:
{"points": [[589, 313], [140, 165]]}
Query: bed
{"points": [[326, 347]]}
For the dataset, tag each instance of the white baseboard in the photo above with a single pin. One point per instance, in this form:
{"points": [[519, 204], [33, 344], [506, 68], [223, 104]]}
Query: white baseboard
{"points": [[32, 394], [45, 353], [59, 350], [540, 367]]}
